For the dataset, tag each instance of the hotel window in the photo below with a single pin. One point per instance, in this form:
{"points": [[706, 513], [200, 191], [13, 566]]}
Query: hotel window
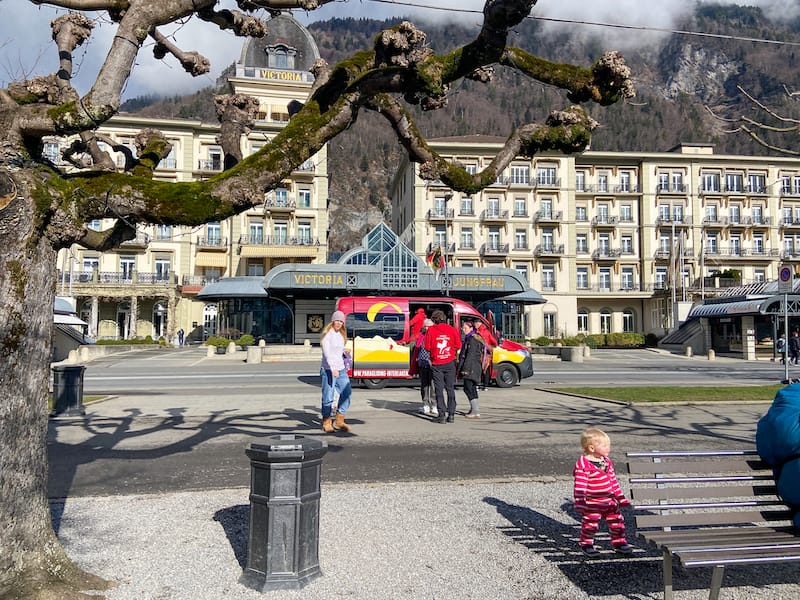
{"points": [[214, 159], [758, 244], [664, 243], [734, 182], [94, 225], [256, 232], [440, 206], [520, 207], [583, 320], [439, 236], [546, 211], [626, 244], [580, 181], [547, 240], [711, 244], [628, 321], [625, 181], [580, 213], [677, 181], [663, 182], [281, 233], [162, 269], [788, 245], [304, 232], [786, 185], [711, 213], [494, 238], [602, 182], [546, 176], [281, 197], [163, 232], [520, 174], [605, 321], [604, 278], [303, 198], [760, 275], [213, 234], [710, 182], [493, 207], [736, 245], [51, 152], [520, 239], [602, 213], [787, 214], [626, 278], [796, 218], [548, 278], [582, 278], [522, 269], [581, 244], [663, 212], [626, 213], [661, 278], [255, 267], [603, 244], [735, 213], [550, 325], [127, 265], [758, 214], [467, 208], [467, 241], [757, 183], [677, 213]]}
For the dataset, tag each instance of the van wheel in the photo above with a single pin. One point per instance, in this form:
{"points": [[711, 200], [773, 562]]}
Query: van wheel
{"points": [[506, 376], [374, 384]]}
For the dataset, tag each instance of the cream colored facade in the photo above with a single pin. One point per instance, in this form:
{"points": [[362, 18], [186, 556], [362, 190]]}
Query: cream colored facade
{"points": [[148, 286], [615, 241]]}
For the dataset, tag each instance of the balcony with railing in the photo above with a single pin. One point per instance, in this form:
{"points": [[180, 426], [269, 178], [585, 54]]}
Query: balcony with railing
{"points": [[549, 250], [117, 278], [307, 167], [606, 254], [277, 240], [192, 284], [604, 221], [209, 164], [434, 214], [451, 248], [488, 216], [547, 216], [790, 190], [789, 222], [631, 188], [665, 254], [212, 243], [734, 252], [678, 221], [610, 287], [715, 221], [547, 183], [671, 188], [492, 249], [466, 211], [519, 213], [521, 246]]}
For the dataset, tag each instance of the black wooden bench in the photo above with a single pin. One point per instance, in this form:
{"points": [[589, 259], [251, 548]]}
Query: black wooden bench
{"points": [[710, 509]]}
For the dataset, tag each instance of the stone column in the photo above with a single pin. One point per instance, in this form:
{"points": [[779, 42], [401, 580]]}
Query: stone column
{"points": [[133, 322], [94, 317], [172, 326]]}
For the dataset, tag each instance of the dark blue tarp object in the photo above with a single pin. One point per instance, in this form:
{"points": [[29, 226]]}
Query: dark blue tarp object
{"points": [[778, 444]]}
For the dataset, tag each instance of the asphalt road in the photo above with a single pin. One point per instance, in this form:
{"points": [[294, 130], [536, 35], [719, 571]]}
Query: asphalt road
{"points": [[177, 420]]}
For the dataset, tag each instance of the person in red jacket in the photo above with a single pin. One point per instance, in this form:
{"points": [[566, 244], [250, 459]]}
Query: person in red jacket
{"points": [[597, 493], [443, 342]]}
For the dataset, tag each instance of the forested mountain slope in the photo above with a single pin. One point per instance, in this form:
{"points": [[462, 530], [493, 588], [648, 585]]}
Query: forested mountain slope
{"points": [[679, 77]]}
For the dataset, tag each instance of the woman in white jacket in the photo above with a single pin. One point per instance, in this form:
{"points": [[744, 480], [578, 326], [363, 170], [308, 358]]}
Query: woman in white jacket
{"points": [[333, 374]]}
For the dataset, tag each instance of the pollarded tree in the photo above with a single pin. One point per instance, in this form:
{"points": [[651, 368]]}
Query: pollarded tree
{"points": [[43, 209]]}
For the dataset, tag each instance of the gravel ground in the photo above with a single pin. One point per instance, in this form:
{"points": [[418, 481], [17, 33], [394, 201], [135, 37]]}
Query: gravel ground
{"points": [[443, 541]]}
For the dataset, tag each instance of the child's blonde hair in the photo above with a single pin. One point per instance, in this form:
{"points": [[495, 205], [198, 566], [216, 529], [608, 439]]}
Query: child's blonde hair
{"points": [[590, 435]]}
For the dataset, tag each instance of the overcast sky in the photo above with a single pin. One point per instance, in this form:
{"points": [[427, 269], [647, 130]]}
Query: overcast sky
{"points": [[26, 48]]}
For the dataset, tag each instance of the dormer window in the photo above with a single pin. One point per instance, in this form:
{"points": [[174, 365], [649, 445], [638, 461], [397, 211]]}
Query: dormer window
{"points": [[281, 56]]}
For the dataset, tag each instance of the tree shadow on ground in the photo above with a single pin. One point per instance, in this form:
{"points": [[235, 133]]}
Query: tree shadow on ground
{"points": [[637, 576]]}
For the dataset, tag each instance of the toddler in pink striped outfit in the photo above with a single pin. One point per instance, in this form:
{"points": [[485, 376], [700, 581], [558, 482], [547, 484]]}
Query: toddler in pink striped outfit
{"points": [[597, 493]]}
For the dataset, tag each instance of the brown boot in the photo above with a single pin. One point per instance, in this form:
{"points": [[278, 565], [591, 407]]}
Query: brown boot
{"points": [[327, 425], [339, 424]]}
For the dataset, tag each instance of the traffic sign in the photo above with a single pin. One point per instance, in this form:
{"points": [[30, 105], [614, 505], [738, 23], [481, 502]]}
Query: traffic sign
{"points": [[785, 279]]}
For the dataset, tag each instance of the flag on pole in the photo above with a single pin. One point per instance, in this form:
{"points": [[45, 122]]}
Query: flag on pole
{"points": [[435, 260]]}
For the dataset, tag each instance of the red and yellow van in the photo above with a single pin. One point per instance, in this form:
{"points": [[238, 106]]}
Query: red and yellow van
{"points": [[379, 332]]}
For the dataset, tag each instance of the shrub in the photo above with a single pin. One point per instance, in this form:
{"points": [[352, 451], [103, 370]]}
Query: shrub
{"points": [[246, 340], [542, 341], [624, 340], [572, 341], [589, 341], [599, 340], [217, 341]]}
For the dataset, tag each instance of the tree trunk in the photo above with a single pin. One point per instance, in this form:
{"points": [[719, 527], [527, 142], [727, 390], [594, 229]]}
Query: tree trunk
{"points": [[31, 559]]}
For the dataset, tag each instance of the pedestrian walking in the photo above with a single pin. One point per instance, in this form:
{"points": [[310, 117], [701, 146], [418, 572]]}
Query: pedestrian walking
{"points": [[421, 366], [794, 348], [470, 365], [443, 343], [333, 374], [597, 493], [180, 337], [780, 347]]}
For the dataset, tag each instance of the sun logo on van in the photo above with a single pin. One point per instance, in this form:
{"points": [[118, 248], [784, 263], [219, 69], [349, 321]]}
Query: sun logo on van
{"points": [[378, 307]]}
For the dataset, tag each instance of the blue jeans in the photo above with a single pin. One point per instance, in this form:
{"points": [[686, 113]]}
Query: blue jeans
{"points": [[330, 385]]}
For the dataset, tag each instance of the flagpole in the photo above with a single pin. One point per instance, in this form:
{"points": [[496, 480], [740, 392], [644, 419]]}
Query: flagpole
{"points": [[445, 270]]}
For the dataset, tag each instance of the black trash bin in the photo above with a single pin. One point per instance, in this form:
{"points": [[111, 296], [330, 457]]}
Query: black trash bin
{"points": [[283, 543], [68, 390]]}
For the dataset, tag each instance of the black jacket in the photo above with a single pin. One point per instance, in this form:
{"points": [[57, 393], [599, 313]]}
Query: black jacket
{"points": [[470, 359]]}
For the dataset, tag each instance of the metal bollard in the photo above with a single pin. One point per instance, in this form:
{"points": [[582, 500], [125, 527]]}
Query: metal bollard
{"points": [[283, 542], [68, 390]]}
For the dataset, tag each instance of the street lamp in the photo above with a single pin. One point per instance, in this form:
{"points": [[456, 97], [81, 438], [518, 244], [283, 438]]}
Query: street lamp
{"points": [[445, 272]]}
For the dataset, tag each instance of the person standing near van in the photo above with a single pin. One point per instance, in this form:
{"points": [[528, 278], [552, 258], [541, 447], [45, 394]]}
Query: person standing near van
{"points": [[443, 343], [421, 365], [470, 365], [333, 374]]}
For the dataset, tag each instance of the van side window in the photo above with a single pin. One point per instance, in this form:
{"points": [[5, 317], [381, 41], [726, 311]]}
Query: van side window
{"points": [[384, 325]]}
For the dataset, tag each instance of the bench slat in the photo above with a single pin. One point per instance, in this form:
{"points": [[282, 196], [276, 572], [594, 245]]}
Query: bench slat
{"points": [[754, 556], [671, 465], [719, 537], [700, 519], [705, 492]]}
